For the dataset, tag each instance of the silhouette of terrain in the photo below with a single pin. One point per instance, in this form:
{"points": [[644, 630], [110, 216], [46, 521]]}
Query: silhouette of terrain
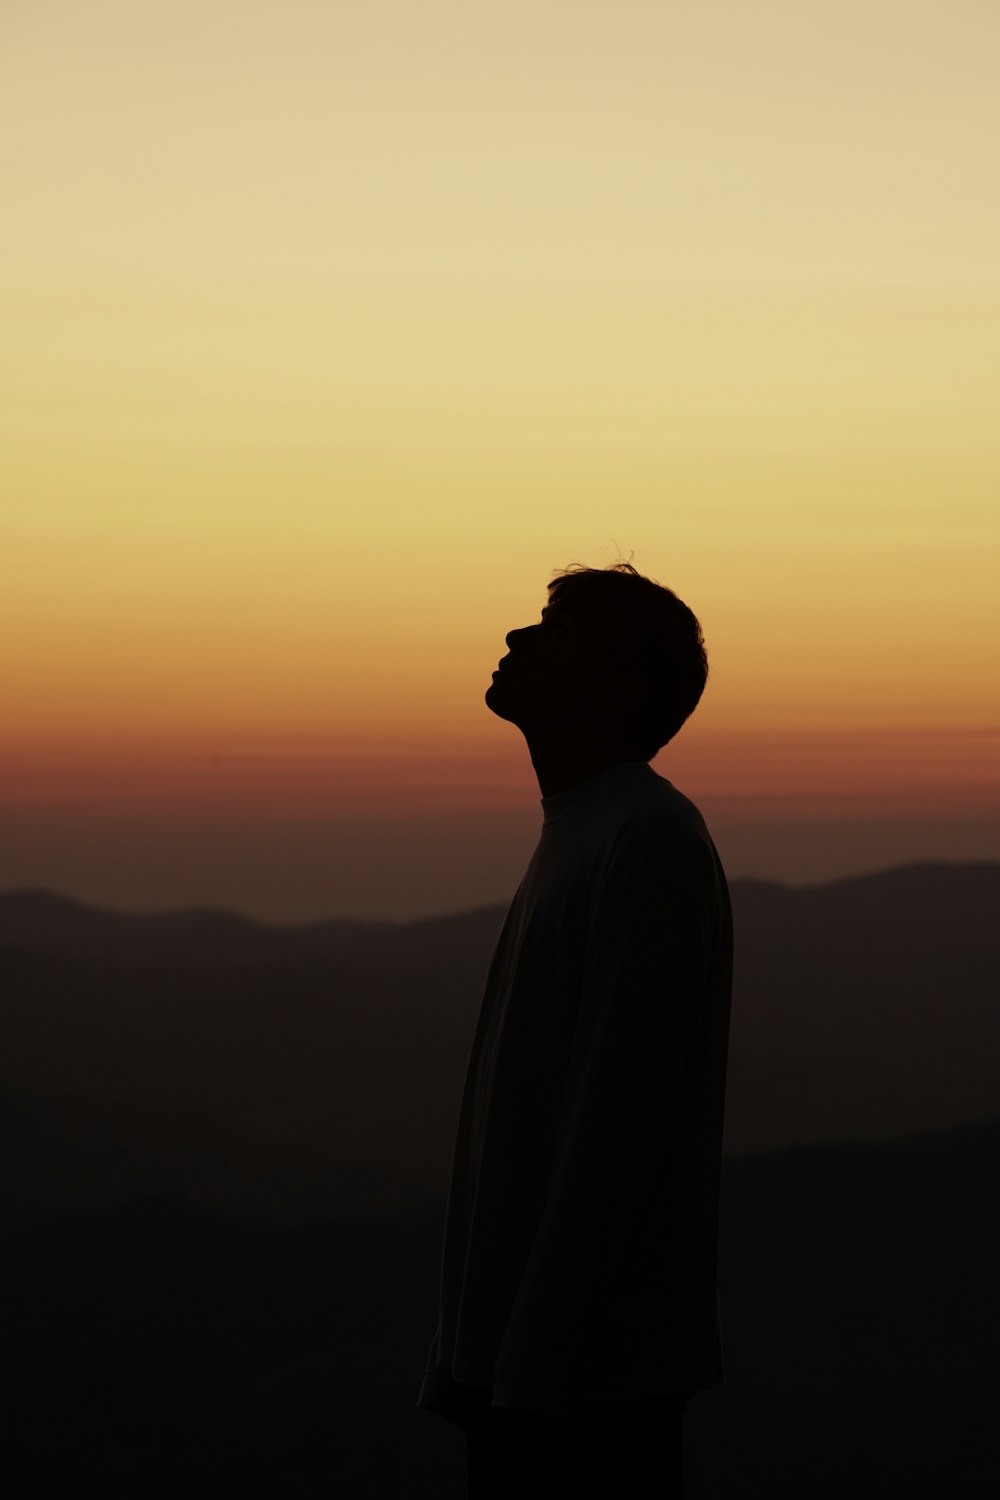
{"points": [[295, 1070], [226, 1157], [161, 1349]]}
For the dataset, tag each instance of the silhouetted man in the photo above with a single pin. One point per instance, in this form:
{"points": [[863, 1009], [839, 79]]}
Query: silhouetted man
{"points": [[579, 1308]]}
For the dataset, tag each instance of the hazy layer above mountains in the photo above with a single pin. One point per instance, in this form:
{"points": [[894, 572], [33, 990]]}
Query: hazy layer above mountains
{"points": [[295, 1069], [367, 865]]}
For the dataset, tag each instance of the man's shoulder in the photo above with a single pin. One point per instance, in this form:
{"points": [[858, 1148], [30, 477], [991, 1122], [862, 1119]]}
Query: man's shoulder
{"points": [[665, 834], [664, 815]]}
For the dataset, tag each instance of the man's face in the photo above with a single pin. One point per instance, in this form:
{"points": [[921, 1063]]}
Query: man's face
{"points": [[559, 674]]}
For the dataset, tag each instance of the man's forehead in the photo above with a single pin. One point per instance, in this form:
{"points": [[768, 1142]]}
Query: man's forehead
{"points": [[560, 610]]}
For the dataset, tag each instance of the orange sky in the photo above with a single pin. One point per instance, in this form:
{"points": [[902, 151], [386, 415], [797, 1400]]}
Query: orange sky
{"points": [[330, 334]]}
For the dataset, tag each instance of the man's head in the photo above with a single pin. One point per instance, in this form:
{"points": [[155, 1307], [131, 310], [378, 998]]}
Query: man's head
{"points": [[616, 657]]}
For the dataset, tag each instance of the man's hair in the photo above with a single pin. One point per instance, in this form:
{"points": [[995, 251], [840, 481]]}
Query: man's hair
{"points": [[650, 628]]}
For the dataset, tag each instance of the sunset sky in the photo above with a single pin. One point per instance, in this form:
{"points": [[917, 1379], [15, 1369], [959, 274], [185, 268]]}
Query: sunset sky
{"points": [[331, 332]]}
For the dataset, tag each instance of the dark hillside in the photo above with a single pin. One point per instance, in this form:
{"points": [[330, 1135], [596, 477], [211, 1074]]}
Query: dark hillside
{"points": [[161, 1349], [290, 1070]]}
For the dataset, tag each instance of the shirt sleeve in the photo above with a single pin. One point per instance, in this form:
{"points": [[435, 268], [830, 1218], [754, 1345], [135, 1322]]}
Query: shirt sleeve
{"points": [[645, 978]]}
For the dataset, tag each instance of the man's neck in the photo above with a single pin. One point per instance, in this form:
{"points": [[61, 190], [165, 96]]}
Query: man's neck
{"points": [[560, 768]]}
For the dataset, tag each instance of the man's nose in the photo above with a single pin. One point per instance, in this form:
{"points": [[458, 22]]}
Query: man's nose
{"points": [[513, 637]]}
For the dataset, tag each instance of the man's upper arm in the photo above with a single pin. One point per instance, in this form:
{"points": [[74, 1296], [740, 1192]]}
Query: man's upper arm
{"points": [[652, 916]]}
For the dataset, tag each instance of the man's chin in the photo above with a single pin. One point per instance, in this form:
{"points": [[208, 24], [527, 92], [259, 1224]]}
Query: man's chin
{"points": [[494, 701]]}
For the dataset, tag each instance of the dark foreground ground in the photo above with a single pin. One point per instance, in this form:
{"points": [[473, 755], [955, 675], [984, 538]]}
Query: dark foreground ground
{"points": [[155, 1349]]}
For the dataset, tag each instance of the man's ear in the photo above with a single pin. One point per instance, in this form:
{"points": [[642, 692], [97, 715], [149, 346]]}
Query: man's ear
{"points": [[626, 688], [634, 686]]}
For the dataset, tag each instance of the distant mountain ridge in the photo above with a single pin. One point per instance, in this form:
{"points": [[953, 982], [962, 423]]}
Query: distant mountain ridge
{"points": [[28, 912], [44, 921], [290, 1069]]}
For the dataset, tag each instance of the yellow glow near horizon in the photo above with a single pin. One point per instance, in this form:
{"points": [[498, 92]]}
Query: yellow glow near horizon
{"points": [[330, 333]]}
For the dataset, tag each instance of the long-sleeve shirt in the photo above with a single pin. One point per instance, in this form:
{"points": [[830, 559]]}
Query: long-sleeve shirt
{"points": [[581, 1235]]}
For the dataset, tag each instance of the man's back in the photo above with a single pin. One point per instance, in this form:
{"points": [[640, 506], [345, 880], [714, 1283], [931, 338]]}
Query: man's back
{"points": [[580, 1254]]}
